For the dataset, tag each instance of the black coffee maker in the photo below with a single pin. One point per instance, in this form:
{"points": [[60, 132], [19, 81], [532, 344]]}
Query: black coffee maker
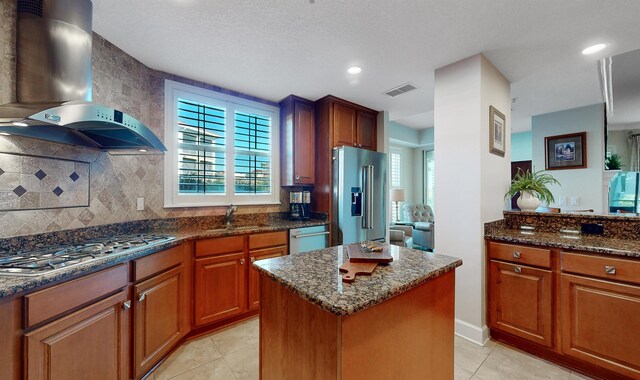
{"points": [[300, 205], [295, 205]]}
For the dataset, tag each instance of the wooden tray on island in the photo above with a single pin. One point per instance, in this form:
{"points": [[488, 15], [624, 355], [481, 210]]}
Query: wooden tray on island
{"points": [[357, 255]]}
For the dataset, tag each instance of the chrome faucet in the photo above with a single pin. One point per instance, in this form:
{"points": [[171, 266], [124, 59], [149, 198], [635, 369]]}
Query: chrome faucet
{"points": [[228, 217]]}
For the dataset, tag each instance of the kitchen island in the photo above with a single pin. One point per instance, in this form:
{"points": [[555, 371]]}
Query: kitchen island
{"points": [[397, 323]]}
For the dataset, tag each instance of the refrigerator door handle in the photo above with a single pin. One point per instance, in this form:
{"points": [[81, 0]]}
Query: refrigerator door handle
{"points": [[367, 181]]}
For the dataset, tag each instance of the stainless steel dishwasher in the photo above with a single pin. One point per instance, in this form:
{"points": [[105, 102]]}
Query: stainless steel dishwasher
{"points": [[308, 239]]}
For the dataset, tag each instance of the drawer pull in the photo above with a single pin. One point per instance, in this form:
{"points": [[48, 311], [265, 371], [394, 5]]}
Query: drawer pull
{"points": [[518, 270], [253, 259], [142, 296], [516, 254], [241, 261], [126, 305], [609, 269]]}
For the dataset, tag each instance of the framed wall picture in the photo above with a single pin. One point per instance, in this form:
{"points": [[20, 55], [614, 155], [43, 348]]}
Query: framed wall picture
{"points": [[497, 129], [566, 151]]}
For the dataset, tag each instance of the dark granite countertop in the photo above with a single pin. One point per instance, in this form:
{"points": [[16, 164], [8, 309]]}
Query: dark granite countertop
{"points": [[10, 285], [315, 276], [578, 242]]}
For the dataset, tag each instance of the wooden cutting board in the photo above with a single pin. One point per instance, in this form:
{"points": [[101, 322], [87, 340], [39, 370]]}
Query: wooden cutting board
{"points": [[357, 255], [350, 270]]}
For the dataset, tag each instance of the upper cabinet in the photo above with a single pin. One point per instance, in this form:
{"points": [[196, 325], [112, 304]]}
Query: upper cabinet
{"points": [[349, 124], [297, 142]]}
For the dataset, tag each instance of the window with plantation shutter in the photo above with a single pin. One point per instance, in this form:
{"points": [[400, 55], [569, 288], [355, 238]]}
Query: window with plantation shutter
{"points": [[220, 148]]}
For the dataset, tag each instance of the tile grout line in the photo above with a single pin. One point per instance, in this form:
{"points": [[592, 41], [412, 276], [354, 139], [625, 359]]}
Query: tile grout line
{"points": [[191, 369]]}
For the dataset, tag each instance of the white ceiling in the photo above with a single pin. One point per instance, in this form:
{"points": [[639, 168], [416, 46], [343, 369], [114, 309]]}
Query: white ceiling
{"points": [[272, 48]]}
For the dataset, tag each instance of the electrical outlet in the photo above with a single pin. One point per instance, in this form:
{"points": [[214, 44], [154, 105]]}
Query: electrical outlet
{"points": [[140, 203], [575, 201], [562, 201]]}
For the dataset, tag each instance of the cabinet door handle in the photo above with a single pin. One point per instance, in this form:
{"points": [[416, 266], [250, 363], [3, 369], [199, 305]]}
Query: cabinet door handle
{"points": [[354, 144], [609, 269], [241, 261], [518, 270], [126, 305], [516, 255], [297, 177], [253, 260], [359, 145], [142, 296]]}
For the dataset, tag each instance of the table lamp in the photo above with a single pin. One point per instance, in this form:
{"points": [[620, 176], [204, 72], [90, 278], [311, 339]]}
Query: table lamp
{"points": [[397, 195]]}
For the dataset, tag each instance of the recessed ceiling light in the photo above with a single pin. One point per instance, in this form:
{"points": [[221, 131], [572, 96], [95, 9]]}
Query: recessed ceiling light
{"points": [[594, 49], [5, 134], [20, 124], [354, 70]]}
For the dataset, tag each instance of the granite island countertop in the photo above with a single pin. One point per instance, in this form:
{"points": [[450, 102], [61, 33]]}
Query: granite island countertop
{"points": [[579, 242], [10, 285], [315, 276]]}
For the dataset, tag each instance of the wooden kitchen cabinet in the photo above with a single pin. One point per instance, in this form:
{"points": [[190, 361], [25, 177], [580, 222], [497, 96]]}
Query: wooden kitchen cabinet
{"points": [[366, 130], [254, 276], [601, 323], [521, 301], [297, 142], [220, 287], [92, 342], [344, 122], [159, 317]]}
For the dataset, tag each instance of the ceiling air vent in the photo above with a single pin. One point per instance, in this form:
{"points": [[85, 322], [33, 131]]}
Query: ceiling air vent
{"points": [[400, 90]]}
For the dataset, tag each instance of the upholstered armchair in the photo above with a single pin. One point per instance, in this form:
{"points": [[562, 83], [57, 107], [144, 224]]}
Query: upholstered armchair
{"points": [[401, 236], [421, 218]]}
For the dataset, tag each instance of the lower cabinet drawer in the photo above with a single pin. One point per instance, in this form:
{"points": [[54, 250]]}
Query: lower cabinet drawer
{"points": [[607, 267], [537, 257], [521, 301], [601, 323]]}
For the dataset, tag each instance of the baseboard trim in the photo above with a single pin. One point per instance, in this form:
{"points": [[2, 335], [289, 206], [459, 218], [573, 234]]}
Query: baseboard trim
{"points": [[472, 333]]}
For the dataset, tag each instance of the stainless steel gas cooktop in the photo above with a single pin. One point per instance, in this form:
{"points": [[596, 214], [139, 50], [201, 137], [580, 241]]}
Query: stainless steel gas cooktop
{"points": [[50, 259]]}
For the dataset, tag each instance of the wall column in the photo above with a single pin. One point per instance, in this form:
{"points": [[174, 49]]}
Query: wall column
{"points": [[470, 182]]}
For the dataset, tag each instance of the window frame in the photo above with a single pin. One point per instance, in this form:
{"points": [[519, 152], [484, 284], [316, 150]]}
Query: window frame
{"points": [[232, 104], [394, 151]]}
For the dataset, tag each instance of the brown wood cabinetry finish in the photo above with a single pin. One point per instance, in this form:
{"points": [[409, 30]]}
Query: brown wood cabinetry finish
{"points": [[11, 333], [214, 246], [254, 275], [220, 287], [600, 323], [91, 343], [269, 239], [297, 142], [160, 321], [158, 262], [610, 268], [367, 133], [520, 254], [48, 303], [521, 301], [344, 125]]}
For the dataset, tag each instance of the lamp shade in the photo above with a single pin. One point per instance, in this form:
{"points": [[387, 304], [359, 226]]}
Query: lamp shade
{"points": [[397, 195]]}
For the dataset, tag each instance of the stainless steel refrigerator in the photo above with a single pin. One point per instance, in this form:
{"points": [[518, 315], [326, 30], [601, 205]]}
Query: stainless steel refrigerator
{"points": [[359, 195]]}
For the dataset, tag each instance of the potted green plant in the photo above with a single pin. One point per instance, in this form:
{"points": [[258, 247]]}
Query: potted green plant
{"points": [[532, 188], [613, 162]]}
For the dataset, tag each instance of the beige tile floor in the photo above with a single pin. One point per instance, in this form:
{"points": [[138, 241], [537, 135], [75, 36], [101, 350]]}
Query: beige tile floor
{"points": [[232, 354]]}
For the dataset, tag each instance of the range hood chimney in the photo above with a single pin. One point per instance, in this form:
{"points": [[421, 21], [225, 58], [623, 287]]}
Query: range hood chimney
{"points": [[53, 89]]}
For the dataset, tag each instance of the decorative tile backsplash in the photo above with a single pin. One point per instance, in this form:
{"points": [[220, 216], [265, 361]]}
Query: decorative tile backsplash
{"points": [[122, 82], [31, 183]]}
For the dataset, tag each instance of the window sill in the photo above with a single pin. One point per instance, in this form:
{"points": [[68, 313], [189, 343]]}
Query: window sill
{"points": [[221, 204]]}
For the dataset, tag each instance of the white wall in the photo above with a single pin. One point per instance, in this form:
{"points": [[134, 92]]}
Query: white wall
{"points": [[583, 183], [470, 182]]}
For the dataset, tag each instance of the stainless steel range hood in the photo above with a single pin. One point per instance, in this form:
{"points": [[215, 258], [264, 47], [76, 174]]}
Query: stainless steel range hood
{"points": [[53, 75]]}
